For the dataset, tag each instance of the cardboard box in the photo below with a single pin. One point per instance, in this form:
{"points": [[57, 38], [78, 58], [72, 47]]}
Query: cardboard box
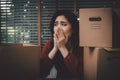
{"points": [[99, 27], [101, 63]]}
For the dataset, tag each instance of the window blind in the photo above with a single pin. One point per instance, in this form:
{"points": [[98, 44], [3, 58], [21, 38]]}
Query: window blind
{"points": [[94, 3], [19, 20]]}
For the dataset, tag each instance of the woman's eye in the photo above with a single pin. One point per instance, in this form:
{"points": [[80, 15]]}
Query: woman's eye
{"points": [[55, 24], [64, 24]]}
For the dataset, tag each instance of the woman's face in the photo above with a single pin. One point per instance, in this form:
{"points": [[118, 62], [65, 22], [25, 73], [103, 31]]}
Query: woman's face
{"points": [[62, 23]]}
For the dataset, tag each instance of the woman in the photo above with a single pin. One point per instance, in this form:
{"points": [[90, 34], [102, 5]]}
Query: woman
{"points": [[63, 50]]}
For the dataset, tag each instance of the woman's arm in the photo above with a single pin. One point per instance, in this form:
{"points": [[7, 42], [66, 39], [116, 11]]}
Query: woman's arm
{"points": [[74, 65], [45, 62]]}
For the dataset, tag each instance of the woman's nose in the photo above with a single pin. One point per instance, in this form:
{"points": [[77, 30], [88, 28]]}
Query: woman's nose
{"points": [[58, 25]]}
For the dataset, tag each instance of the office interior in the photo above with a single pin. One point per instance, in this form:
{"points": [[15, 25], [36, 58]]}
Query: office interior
{"points": [[24, 30]]}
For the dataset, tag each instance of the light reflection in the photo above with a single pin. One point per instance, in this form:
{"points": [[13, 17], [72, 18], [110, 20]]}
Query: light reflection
{"points": [[9, 27], [26, 5], [24, 16], [27, 36], [36, 7], [11, 34], [2, 2], [3, 27], [28, 2], [5, 8], [9, 13], [11, 31], [44, 7], [8, 10], [78, 19]]}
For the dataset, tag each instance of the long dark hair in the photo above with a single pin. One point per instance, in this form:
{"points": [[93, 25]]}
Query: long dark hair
{"points": [[72, 18]]}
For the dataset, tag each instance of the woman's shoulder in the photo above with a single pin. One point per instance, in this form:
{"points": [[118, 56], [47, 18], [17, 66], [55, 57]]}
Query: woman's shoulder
{"points": [[48, 43]]}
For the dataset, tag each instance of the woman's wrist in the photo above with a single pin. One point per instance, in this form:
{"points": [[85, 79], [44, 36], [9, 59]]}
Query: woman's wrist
{"points": [[64, 51], [52, 53]]}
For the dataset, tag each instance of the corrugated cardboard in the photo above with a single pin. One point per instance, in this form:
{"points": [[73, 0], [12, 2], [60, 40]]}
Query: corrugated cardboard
{"points": [[99, 27]]}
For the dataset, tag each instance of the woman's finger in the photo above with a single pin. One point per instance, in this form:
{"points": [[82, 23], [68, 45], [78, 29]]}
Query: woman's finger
{"points": [[62, 33], [56, 37]]}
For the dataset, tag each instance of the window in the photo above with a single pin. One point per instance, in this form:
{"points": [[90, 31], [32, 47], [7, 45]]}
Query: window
{"points": [[19, 21]]}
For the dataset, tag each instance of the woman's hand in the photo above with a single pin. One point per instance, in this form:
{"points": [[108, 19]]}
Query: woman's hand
{"points": [[53, 52], [60, 41], [55, 42], [60, 38]]}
